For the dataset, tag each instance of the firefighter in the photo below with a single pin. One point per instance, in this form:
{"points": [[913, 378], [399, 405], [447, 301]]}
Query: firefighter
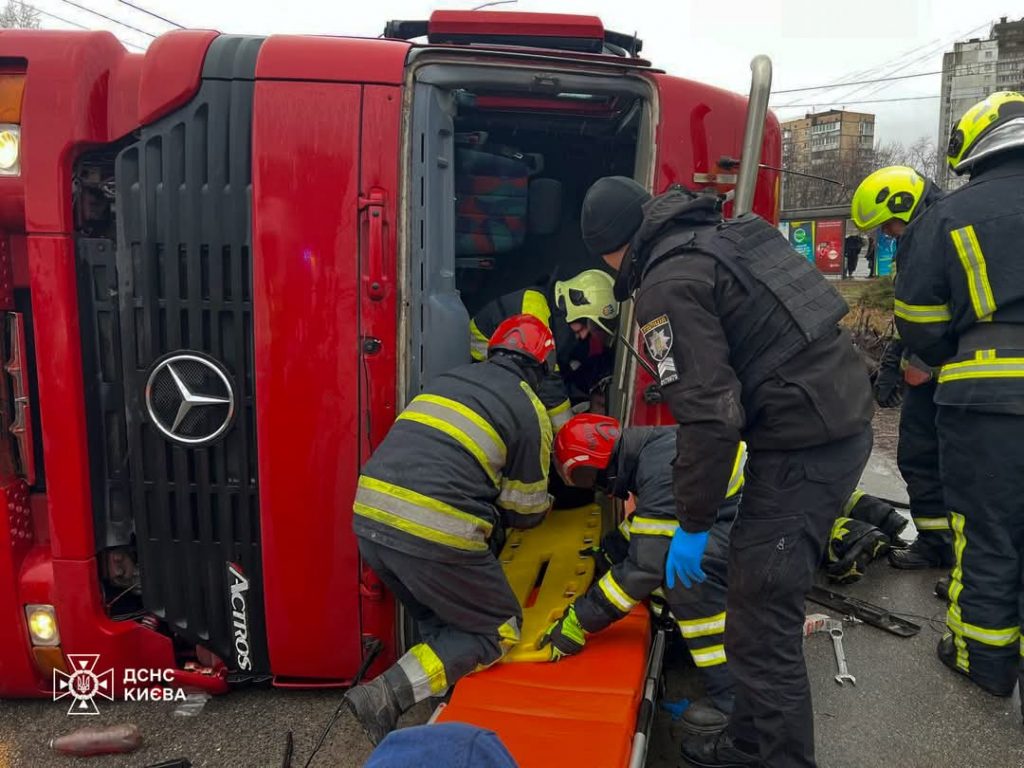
{"points": [[464, 460], [743, 333], [890, 199], [590, 451], [960, 305], [572, 308]]}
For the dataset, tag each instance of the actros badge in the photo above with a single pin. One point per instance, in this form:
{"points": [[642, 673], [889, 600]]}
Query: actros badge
{"points": [[190, 399]]}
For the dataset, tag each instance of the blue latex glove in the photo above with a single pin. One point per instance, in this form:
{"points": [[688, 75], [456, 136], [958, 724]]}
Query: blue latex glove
{"points": [[684, 556]]}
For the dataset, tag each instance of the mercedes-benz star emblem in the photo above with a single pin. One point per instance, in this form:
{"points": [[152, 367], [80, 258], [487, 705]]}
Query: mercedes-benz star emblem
{"points": [[190, 399]]}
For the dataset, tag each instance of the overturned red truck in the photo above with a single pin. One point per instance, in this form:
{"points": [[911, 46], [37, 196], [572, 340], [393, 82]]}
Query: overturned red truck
{"points": [[226, 263]]}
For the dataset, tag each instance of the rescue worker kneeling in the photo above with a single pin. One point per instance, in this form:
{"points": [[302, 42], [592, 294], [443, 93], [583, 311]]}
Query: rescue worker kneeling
{"points": [[591, 451], [465, 459]]}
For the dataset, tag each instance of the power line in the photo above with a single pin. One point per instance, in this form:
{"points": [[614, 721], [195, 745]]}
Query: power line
{"points": [[75, 24], [873, 101], [108, 18], [150, 13], [878, 80]]}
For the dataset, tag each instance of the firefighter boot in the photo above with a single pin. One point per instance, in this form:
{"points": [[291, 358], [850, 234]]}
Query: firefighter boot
{"points": [[880, 514], [716, 751], [946, 651], [930, 553], [376, 708], [703, 718], [851, 546]]}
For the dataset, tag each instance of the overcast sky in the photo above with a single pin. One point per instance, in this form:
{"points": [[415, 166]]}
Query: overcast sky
{"points": [[811, 42]]}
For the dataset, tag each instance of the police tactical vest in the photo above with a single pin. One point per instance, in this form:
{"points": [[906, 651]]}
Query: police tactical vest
{"points": [[791, 304]]}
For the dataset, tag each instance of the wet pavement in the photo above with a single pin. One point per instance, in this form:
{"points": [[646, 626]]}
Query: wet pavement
{"points": [[906, 710]]}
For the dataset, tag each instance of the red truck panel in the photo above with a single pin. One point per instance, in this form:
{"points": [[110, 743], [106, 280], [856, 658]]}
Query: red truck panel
{"points": [[332, 59], [306, 305]]}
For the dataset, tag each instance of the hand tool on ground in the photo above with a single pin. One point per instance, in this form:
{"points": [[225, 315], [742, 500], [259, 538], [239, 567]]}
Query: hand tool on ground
{"points": [[837, 643], [869, 613]]}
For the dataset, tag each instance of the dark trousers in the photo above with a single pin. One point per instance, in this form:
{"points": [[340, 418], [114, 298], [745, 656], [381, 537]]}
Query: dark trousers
{"points": [[790, 501], [466, 614], [982, 460], [917, 455]]}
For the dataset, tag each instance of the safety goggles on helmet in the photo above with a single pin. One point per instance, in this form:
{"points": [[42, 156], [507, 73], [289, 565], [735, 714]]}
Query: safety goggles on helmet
{"points": [[527, 335], [590, 295], [888, 193], [585, 442], [980, 121]]}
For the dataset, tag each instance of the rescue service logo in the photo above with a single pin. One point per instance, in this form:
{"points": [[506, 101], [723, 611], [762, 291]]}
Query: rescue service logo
{"points": [[83, 684], [799, 236]]}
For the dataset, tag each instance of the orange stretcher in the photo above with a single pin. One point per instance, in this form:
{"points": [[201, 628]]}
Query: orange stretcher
{"points": [[601, 701]]}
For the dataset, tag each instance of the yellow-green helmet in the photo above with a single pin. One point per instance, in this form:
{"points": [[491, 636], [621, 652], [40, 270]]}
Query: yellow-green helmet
{"points": [[888, 193], [590, 295], [979, 121]]}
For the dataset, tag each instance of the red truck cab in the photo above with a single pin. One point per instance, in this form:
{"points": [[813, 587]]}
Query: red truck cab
{"points": [[225, 265]]}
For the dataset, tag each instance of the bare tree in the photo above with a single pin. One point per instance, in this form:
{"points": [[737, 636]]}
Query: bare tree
{"points": [[18, 15]]}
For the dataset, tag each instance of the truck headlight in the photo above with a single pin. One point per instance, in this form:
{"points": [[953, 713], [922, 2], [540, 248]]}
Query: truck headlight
{"points": [[10, 150], [42, 625]]}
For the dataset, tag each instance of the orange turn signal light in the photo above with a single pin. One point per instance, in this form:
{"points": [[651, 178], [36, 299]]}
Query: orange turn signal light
{"points": [[12, 89]]}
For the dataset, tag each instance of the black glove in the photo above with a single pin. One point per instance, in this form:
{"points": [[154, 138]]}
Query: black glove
{"points": [[889, 381], [565, 636]]}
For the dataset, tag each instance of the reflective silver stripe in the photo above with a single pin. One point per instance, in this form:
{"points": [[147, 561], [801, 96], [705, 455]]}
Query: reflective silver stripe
{"points": [[652, 526], [932, 523], [478, 349], [559, 415], [523, 501], [710, 625], [922, 313], [454, 414], [708, 657], [453, 523], [616, 595], [425, 672], [973, 261]]}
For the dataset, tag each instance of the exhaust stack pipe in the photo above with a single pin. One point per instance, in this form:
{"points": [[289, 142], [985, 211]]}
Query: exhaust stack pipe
{"points": [[753, 134]]}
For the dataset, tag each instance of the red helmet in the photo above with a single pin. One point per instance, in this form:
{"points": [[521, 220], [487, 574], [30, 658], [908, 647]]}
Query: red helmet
{"points": [[527, 335], [585, 441]]}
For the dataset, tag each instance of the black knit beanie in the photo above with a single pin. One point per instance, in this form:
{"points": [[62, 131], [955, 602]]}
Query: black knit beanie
{"points": [[612, 213]]}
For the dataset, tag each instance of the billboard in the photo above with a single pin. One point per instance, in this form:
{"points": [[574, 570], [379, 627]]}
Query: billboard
{"points": [[801, 237], [885, 254], [828, 246]]}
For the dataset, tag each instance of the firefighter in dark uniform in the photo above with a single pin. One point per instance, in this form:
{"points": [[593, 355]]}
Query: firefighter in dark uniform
{"points": [[890, 199], [465, 459], [745, 338], [960, 305], [571, 309], [591, 452]]}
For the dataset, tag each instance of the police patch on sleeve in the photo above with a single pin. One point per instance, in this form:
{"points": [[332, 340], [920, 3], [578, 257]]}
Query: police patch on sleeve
{"points": [[658, 340]]}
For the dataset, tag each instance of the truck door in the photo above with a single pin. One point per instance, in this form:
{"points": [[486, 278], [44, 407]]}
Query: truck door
{"points": [[325, 170]]}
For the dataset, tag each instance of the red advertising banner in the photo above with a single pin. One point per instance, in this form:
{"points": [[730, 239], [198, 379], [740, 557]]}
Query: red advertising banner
{"points": [[828, 246]]}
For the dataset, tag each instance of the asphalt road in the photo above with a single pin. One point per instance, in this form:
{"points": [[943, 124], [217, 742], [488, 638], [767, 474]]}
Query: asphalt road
{"points": [[906, 711]]}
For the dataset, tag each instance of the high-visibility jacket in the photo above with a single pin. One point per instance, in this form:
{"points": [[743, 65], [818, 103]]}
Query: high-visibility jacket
{"points": [[960, 290], [642, 466], [470, 453], [527, 301]]}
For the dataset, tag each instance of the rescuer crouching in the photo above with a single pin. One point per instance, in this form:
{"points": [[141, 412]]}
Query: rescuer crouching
{"points": [[591, 451], [465, 459]]}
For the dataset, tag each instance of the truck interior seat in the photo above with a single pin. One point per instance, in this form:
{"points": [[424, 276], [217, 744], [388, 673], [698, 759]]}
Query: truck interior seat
{"points": [[590, 701]]}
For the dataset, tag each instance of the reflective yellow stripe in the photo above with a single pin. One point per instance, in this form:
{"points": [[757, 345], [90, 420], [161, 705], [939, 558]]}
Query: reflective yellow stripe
{"points": [[420, 515], [932, 523], [922, 313], [536, 304], [463, 425], [852, 502], [477, 342], [987, 367], [559, 415], [736, 479], [710, 625], [653, 526], [996, 637], [615, 594], [708, 657], [973, 260], [956, 586], [425, 671], [544, 423], [524, 498]]}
